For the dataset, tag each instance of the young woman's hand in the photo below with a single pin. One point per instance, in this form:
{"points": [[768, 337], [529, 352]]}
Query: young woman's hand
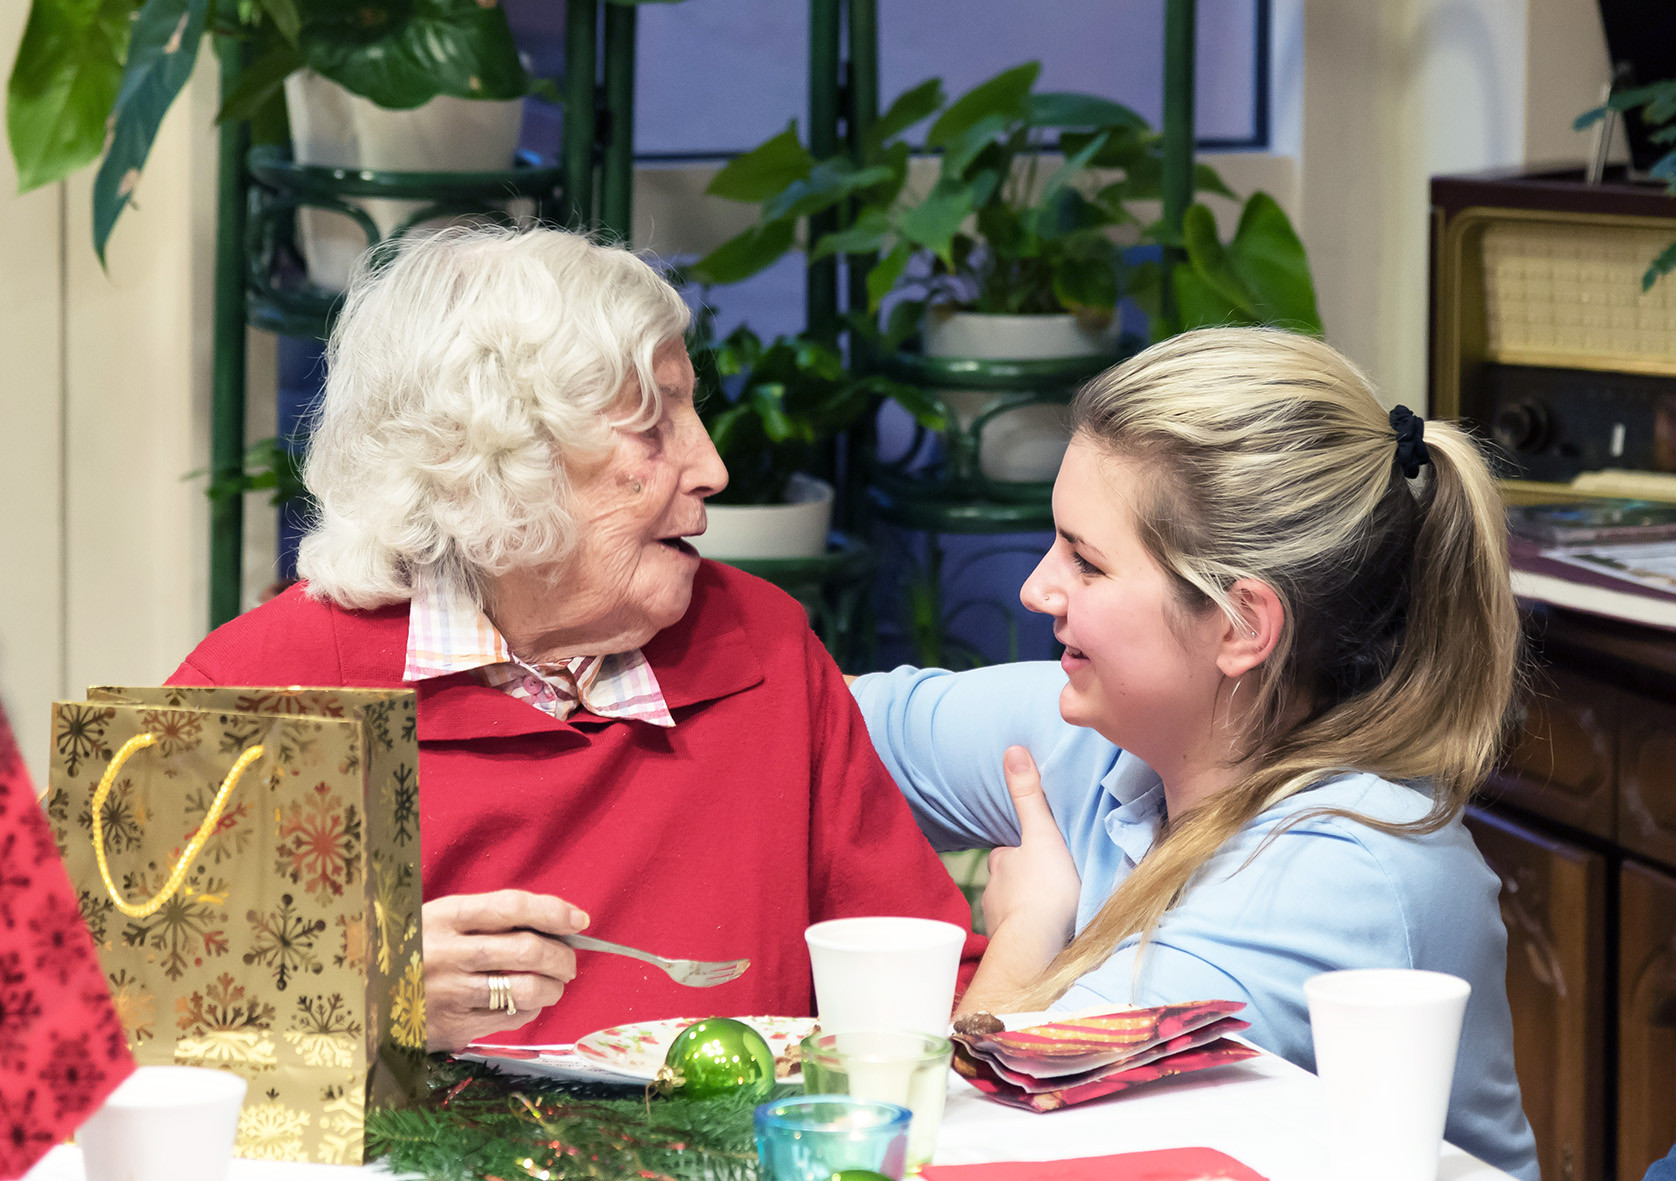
{"points": [[1030, 904], [1036, 882]]}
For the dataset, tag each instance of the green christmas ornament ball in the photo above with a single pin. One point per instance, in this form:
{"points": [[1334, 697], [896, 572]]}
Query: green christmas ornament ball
{"points": [[718, 1055]]}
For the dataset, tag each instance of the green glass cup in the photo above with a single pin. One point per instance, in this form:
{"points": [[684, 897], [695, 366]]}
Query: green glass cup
{"points": [[908, 1069]]}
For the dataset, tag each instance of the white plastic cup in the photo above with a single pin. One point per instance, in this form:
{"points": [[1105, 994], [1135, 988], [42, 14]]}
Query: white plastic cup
{"points": [[1385, 1042], [164, 1123], [885, 973]]}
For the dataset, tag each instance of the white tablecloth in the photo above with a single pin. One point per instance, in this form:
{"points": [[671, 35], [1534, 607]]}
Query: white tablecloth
{"points": [[1262, 1111]]}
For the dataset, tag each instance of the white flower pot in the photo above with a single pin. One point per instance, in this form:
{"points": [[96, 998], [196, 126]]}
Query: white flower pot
{"points": [[1024, 445], [795, 529], [332, 128]]}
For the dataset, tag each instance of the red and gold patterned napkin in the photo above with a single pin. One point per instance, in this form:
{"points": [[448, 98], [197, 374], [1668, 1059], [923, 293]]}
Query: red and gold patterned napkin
{"points": [[61, 1048], [1169, 1164], [1055, 1065]]}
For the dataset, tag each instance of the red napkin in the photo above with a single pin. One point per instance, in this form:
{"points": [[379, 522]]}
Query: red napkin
{"points": [[1169, 1164], [61, 1048], [1050, 1066]]}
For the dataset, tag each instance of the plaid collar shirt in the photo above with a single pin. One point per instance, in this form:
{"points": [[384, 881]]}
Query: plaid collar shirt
{"points": [[448, 633]]}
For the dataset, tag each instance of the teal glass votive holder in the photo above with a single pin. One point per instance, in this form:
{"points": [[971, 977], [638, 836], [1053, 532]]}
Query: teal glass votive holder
{"points": [[812, 1137]]}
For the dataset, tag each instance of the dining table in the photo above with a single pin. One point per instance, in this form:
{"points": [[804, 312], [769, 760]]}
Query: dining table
{"points": [[1264, 1111]]}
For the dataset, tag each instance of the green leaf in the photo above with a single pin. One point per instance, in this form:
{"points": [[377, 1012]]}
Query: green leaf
{"points": [[828, 183], [1086, 285], [933, 222], [160, 59], [882, 278], [259, 82], [1273, 266], [970, 143], [743, 256], [1200, 305], [909, 108], [866, 234], [63, 85], [400, 56], [768, 399], [764, 171], [1072, 109], [927, 411], [1002, 96], [904, 320], [1207, 180], [283, 14], [1211, 263], [1072, 167], [1659, 267]]}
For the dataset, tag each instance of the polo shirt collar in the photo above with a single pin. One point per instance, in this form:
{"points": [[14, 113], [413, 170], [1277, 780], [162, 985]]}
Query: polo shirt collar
{"points": [[1138, 794], [705, 656]]}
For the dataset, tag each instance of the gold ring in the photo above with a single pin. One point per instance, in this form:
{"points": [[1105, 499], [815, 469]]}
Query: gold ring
{"points": [[500, 995]]}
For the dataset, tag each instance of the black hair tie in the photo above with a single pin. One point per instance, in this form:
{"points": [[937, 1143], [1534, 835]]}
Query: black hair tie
{"points": [[1411, 441]]}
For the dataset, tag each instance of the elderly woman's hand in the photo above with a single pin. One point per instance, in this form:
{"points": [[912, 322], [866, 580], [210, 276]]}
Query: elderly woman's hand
{"points": [[472, 937]]}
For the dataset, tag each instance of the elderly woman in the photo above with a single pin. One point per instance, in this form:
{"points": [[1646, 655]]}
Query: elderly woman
{"points": [[613, 733]]}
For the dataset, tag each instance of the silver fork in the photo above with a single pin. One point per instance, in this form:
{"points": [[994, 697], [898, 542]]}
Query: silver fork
{"points": [[692, 973]]}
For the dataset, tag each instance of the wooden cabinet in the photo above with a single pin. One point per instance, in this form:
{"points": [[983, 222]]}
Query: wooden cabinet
{"points": [[1563, 760], [1553, 900], [1646, 1018], [1647, 780]]}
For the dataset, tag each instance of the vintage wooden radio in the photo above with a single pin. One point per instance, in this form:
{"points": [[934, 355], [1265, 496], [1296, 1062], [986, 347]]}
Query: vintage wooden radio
{"points": [[1542, 336]]}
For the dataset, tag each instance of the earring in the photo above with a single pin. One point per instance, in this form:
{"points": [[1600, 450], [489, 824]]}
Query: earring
{"points": [[636, 488]]}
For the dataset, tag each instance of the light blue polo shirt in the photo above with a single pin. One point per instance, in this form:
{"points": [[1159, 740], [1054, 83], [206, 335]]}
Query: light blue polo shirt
{"points": [[1328, 893]]}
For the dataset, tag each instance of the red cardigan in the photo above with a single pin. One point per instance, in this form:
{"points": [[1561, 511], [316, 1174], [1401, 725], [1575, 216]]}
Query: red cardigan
{"points": [[763, 810]]}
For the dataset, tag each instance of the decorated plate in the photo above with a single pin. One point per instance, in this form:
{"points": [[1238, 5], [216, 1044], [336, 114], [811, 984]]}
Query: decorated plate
{"points": [[639, 1048]]}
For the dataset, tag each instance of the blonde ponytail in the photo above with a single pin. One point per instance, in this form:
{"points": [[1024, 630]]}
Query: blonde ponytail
{"points": [[1272, 460]]}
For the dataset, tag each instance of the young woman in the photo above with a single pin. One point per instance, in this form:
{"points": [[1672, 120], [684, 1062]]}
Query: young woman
{"points": [[1290, 643]]}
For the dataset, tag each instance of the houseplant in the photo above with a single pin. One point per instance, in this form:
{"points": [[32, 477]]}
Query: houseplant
{"points": [[1015, 252], [94, 80], [773, 411]]}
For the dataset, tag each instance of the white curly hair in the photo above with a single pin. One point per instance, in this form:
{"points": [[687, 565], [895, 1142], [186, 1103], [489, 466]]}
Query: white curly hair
{"points": [[466, 375]]}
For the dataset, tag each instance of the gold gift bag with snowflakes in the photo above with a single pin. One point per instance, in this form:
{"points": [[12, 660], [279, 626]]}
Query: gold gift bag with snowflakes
{"points": [[248, 863]]}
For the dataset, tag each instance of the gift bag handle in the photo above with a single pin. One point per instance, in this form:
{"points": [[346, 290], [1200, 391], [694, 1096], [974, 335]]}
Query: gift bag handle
{"points": [[178, 874]]}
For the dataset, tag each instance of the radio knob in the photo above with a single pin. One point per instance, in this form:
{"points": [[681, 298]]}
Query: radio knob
{"points": [[1520, 426]]}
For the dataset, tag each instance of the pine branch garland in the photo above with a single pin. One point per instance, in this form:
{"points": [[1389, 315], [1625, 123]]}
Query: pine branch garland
{"points": [[482, 1125]]}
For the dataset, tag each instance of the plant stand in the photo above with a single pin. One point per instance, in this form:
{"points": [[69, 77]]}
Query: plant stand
{"points": [[835, 590], [259, 191], [952, 495]]}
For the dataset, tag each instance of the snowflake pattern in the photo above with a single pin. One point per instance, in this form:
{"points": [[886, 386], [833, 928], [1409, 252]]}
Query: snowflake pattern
{"points": [[289, 703], [97, 910], [377, 717], [15, 878], [231, 834], [60, 951], [135, 1007], [388, 894], [272, 1131], [177, 732], [342, 1116], [222, 1025], [24, 1134], [283, 941], [319, 843], [407, 1007], [19, 1008], [72, 1073], [352, 932], [324, 1032], [400, 797], [188, 928], [124, 818], [79, 735]]}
